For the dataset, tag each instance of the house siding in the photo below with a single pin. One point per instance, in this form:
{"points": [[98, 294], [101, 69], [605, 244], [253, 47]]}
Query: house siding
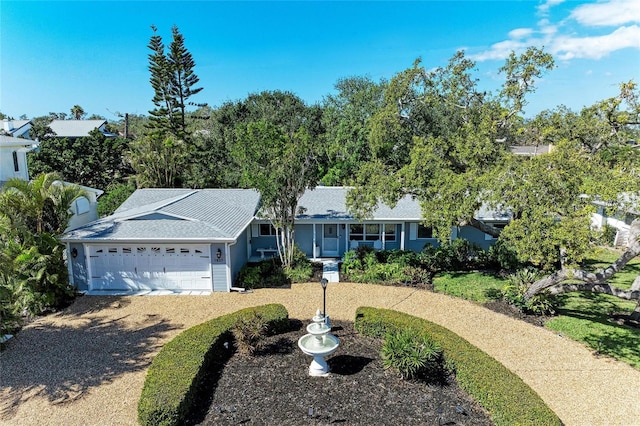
{"points": [[475, 236], [79, 270], [304, 238], [238, 253], [219, 268]]}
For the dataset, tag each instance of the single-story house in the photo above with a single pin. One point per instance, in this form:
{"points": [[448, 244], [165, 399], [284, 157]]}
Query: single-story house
{"points": [[198, 240], [74, 129]]}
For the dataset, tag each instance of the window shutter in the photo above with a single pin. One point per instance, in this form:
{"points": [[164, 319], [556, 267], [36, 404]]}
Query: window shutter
{"points": [[255, 230], [413, 231]]}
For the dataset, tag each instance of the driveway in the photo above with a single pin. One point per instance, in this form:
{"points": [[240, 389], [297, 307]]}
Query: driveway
{"points": [[87, 364]]}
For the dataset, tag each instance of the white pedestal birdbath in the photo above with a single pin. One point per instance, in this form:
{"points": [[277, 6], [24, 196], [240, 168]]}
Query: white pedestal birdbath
{"points": [[318, 344]]}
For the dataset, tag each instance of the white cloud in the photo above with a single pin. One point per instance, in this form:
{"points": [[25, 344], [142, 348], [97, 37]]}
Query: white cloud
{"points": [[611, 13], [543, 9], [595, 47], [520, 33], [579, 43]]}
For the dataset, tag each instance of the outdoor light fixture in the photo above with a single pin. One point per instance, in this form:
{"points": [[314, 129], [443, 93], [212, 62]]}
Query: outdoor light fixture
{"points": [[323, 283], [219, 254]]}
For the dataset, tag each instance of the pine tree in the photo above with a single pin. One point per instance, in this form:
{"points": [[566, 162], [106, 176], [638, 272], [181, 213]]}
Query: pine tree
{"points": [[172, 79]]}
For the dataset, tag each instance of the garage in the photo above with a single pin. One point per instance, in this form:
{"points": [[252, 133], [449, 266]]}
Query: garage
{"points": [[147, 267]]}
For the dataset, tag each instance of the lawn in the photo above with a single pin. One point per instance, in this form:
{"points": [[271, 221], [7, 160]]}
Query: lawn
{"points": [[582, 317]]}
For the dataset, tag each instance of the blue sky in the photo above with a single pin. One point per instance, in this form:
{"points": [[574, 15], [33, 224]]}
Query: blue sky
{"points": [[54, 55]]}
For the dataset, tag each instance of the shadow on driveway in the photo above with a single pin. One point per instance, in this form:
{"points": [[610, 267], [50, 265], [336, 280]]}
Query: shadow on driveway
{"points": [[63, 356]]}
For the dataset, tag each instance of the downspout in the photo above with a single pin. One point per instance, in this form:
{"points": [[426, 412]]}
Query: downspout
{"points": [[69, 267]]}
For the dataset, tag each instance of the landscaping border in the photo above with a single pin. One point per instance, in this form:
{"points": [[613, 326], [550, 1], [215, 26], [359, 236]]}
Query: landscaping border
{"points": [[180, 368], [502, 393]]}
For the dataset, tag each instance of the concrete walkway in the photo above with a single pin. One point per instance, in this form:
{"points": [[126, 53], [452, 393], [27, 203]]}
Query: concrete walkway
{"points": [[87, 365]]}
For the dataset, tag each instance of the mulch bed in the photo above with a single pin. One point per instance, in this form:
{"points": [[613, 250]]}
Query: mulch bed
{"points": [[274, 388]]}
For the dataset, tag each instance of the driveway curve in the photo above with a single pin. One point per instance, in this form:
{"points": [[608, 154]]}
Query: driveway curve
{"points": [[86, 365]]}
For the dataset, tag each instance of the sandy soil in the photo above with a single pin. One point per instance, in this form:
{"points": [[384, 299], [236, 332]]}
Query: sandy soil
{"points": [[87, 364]]}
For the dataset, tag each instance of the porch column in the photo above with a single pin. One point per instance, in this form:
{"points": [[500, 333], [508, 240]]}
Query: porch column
{"points": [[313, 248], [402, 236]]}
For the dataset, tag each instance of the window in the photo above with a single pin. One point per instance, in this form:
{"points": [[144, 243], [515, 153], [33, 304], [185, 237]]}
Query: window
{"points": [[356, 232], [16, 165], [184, 250], [424, 231], [141, 249], [82, 206], [372, 232], [389, 232], [126, 250], [170, 250], [266, 230], [155, 249], [113, 249]]}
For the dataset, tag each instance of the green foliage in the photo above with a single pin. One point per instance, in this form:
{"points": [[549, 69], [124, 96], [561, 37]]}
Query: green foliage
{"points": [[249, 333], [94, 161], [410, 354], [179, 369], [159, 161], [513, 293], [114, 196], [264, 274], [504, 395], [173, 82], [278, 156], [607, 235]]}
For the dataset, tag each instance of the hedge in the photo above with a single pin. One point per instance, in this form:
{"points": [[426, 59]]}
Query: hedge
{"points": [[179, 370], [503, 394]]}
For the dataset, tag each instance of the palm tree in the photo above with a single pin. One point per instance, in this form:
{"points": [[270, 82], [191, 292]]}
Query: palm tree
{"points": [[78, 112], [40, 205]]}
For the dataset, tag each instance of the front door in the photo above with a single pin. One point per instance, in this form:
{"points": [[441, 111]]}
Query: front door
{"points": [[330, 240]]}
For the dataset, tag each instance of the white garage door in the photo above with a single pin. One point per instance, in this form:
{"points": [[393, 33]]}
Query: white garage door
{"points": [[141, 267]]}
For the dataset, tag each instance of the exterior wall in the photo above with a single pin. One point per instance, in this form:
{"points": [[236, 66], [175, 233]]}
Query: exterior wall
{"points": [[416, 244], [7, 169], [304, 238], [257, 241], [476, 236], [219, 268], [78, 270], [238, 254]]}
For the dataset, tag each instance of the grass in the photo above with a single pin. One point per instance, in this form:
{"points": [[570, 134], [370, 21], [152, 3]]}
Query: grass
{"points": [[468, 285], [585, 317]]}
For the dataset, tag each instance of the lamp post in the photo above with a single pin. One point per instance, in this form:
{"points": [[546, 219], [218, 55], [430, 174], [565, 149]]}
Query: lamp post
{"points": [[323, 283]]}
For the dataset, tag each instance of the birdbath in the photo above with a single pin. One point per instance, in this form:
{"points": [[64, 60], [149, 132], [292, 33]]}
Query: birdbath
{"points": [[318, 343]]}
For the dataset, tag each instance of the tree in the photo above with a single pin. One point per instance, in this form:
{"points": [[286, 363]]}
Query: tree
{"points": [[278, 156], [173, 82], [94, 161], [438, 137], [552, 195], [346, 117], [159, 161], [33, 274], [78, 112]]}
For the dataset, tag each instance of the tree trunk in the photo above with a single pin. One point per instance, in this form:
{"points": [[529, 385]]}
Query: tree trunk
{"points": [[594, 281], [487, 229]]}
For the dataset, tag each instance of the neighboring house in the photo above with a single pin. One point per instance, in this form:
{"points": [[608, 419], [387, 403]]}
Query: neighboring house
{"points": [[13, 164], [74, 129], [198, 240], [13, 157], [530, 150], [16, 128], [619, 219]]}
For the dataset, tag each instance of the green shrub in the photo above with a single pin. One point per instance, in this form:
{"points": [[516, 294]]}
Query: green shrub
{"points": [[504, 395], [513, 293], [179, 370], [410, 354], [266, 273], [249, 333]]}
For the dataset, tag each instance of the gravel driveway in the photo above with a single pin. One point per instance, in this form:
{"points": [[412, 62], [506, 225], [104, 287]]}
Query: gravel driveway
{"points": [[87, 364]]}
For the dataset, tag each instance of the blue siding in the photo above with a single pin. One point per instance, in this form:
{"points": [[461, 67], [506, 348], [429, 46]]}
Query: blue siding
{"points": [[79, 267], [238, 255], [304, 238], [475, 236], [219, 268]]}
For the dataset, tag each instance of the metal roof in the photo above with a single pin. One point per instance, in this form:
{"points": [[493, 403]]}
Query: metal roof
{"points": [[181, 214], [76, 128], [330, 202]]}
